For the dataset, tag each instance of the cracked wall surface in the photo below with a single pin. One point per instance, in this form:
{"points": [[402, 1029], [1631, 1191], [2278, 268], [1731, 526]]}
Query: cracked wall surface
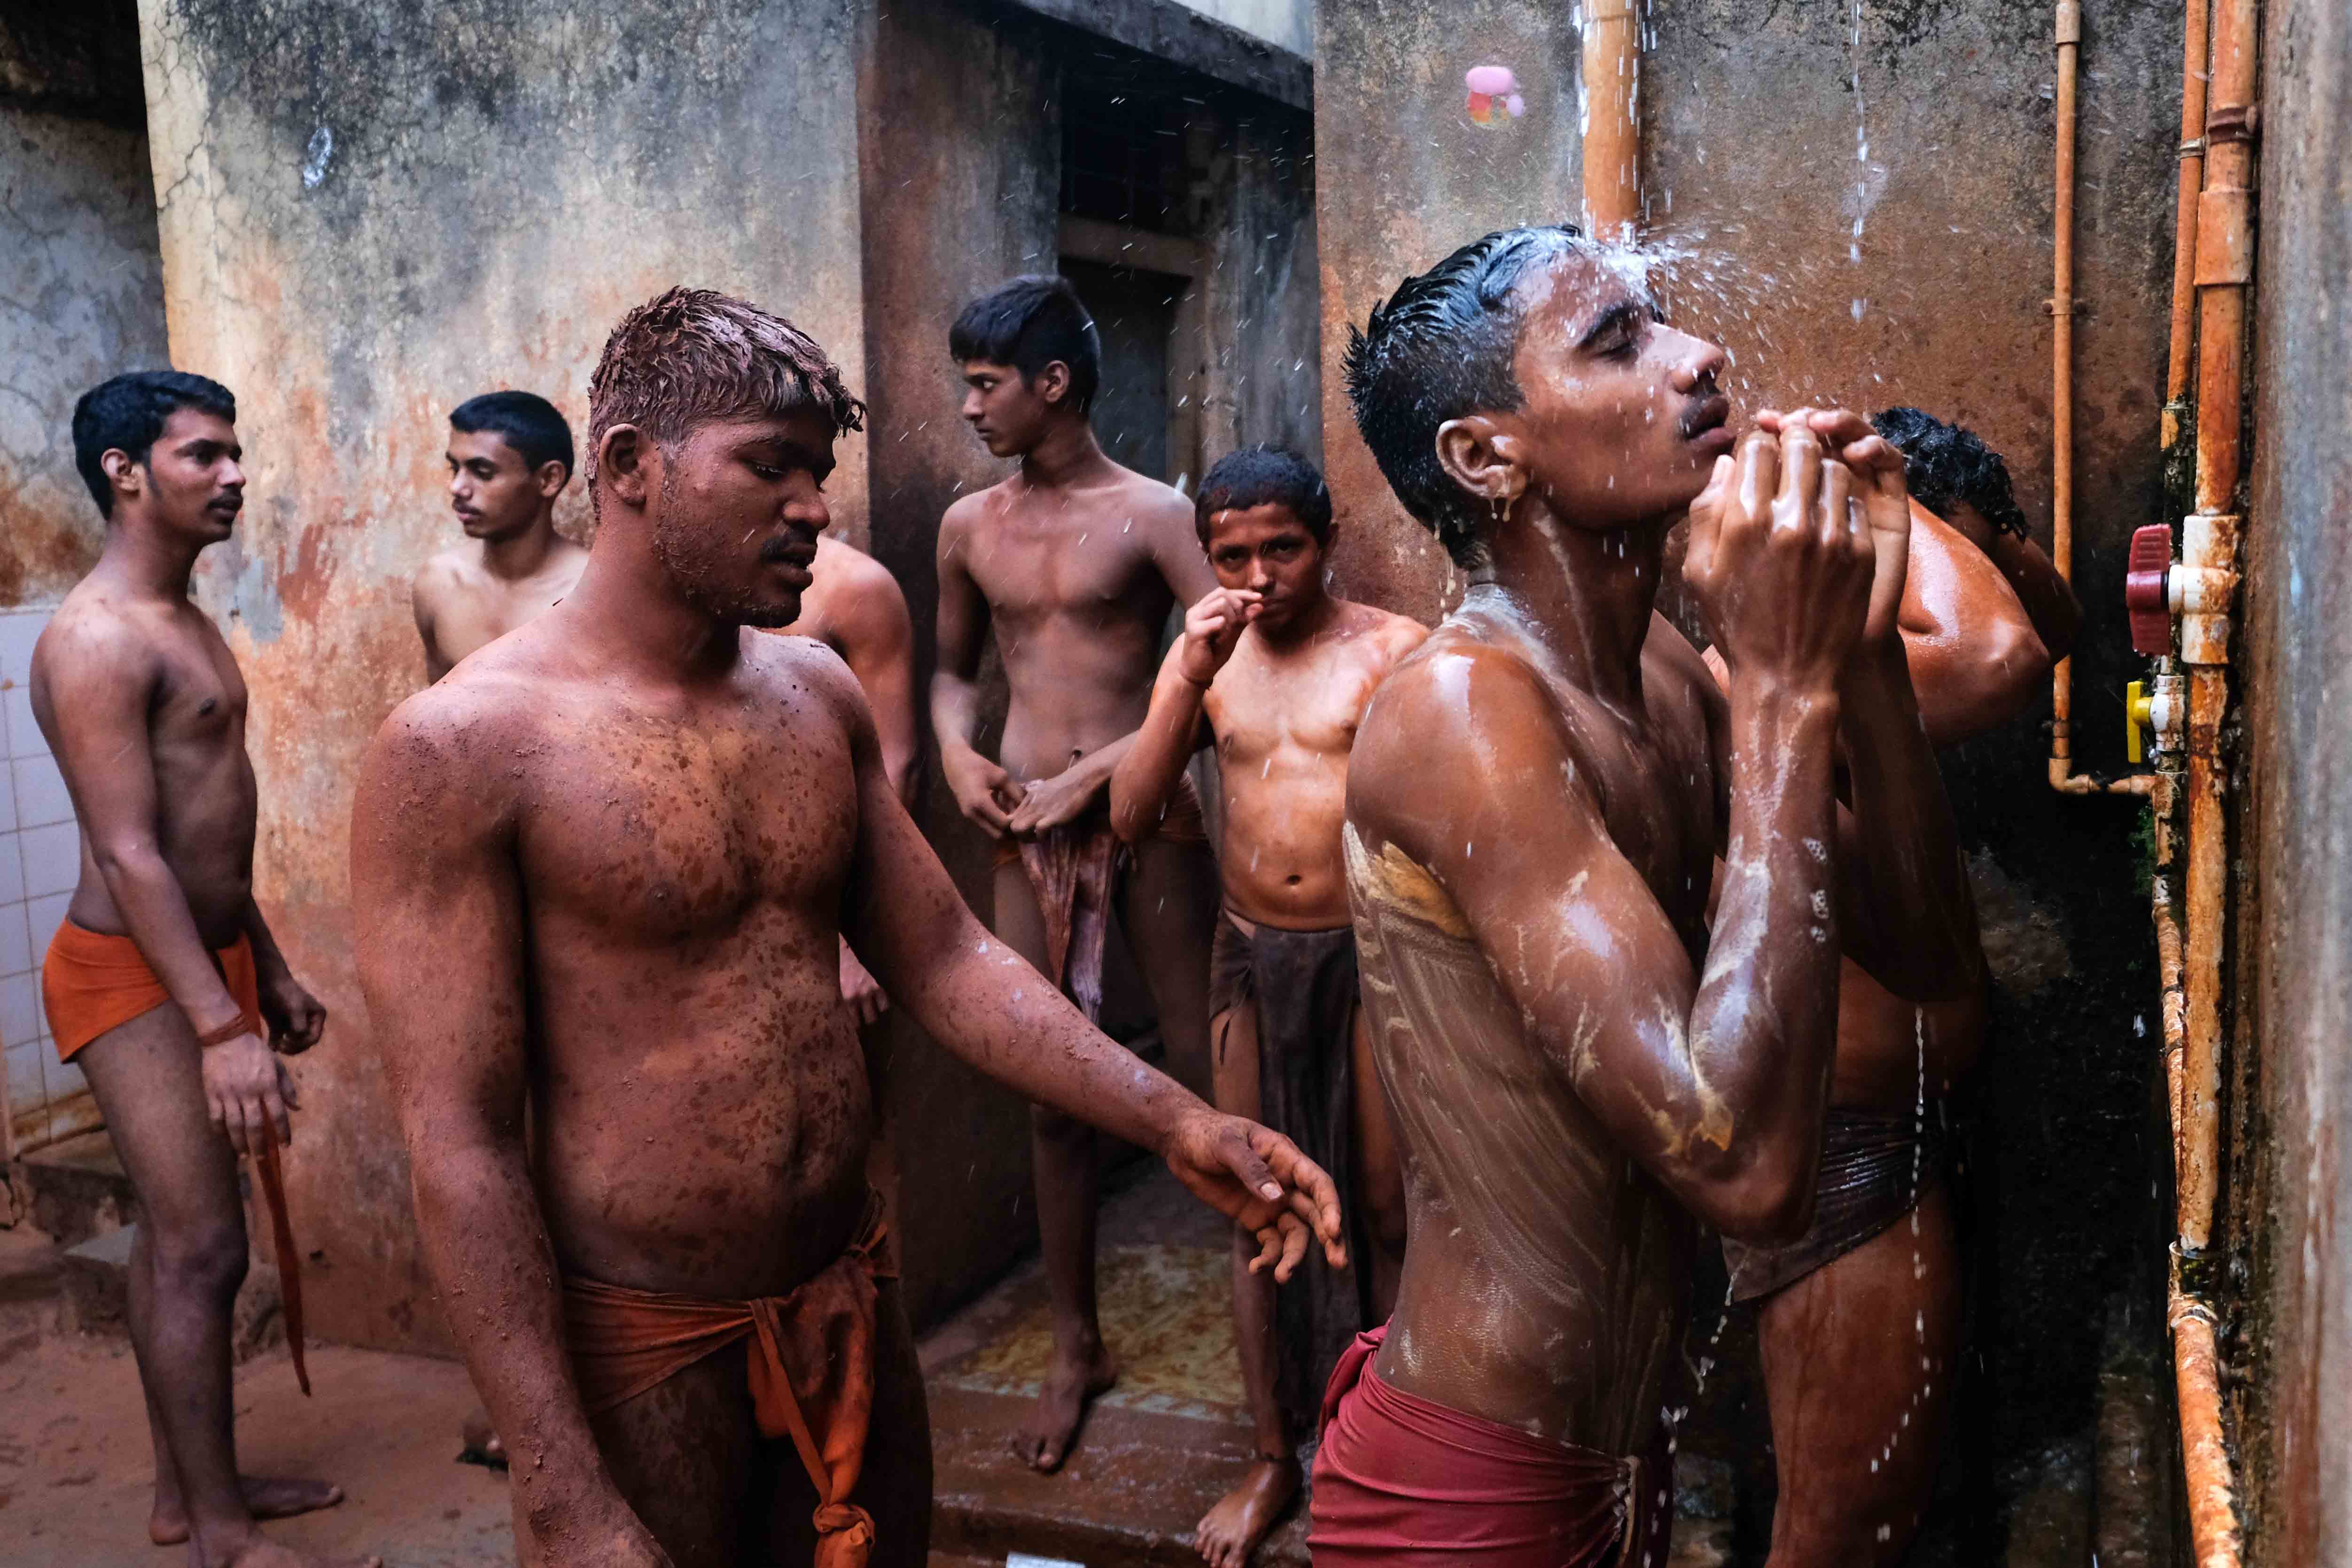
{"points": [[81, 298], [370, 213]]}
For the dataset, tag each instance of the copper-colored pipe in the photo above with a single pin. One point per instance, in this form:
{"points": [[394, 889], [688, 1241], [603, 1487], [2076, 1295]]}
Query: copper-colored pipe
{"points": [[2178, 358], [2205, 1460], [1612, 124], [2062, 777]]}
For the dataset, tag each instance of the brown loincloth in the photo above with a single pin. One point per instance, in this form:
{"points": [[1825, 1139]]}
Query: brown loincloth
{"points": [[811, 1367], [1074, 869], [1403, 1480], [92, 982], [1876, 1166], [1302, 985]]}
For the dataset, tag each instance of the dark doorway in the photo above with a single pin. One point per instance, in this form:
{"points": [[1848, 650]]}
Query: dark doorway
{"points": [[1135, 312]]}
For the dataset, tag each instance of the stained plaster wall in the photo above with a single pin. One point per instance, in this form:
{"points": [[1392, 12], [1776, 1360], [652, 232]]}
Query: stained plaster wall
{"points": [[368, 214], [2291, 1231], [1749, 118]]}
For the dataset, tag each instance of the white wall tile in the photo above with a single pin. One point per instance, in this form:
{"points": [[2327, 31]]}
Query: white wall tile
{"points": [[42, 918], [25, 1081], [20, 1011], [41, 796], [52, 858], [24, 734], [12, 870], [7, 796], [19, 629], [15, 948]]}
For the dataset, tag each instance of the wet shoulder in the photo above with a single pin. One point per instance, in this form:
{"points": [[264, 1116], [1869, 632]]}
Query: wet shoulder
{"points": [[799, 672]]}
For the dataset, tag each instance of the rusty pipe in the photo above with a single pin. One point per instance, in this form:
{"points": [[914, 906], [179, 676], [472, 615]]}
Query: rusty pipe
{"points": [[2204, 1457], [2068, 31], [1613, 119], [2178, 361]]}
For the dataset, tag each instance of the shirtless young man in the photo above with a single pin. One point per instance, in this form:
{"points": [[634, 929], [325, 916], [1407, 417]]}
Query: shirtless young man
{"points": [[1579, 1065], [1076, 562], [510, 457], [1275, 670], [626, 842], [163, 983], [856, 608], [1860, 1321]]}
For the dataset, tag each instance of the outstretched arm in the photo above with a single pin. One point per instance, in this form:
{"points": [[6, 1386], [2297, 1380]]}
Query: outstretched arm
{"points": [[983, 1002], [93, 681], [435, 891], [983, 792]]}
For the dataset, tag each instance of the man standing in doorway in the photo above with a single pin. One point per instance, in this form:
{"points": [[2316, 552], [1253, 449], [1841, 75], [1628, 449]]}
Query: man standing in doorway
{"points": [[510, 457], [164, 983], [1076, 562]]}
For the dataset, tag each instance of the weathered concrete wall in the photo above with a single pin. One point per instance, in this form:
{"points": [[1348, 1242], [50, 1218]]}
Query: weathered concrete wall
{"points": [[2294, 848], [960, 162], [81, 298], [369, 212], [1750, 122], [1262, 303]]}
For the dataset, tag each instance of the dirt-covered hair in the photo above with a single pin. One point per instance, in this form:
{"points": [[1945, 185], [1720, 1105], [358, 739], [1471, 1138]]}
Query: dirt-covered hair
{"points": [[693, 355], [1441, 349], [1265, 477]]}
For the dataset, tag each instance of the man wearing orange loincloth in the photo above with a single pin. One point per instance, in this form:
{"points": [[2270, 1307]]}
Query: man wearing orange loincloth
{"points": [[164, 983], [625, 842]]}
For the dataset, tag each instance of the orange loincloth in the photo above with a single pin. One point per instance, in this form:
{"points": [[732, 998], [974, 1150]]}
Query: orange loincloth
{"points": [[92, 983], [811, 1367]]}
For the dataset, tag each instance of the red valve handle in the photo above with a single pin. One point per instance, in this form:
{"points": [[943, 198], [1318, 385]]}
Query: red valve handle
{"points": [[2145, 601]]}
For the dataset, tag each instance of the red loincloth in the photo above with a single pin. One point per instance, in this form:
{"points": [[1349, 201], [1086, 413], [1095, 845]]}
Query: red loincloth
{"points": [[1402, 1480], [92, 983], [811, 1367]]}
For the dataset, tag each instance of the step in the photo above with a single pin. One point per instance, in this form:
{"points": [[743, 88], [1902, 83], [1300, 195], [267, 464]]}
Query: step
{"points": [[77, 1188]]}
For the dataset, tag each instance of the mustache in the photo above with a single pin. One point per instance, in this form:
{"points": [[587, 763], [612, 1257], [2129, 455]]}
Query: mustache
{"points": [[788, 548]]}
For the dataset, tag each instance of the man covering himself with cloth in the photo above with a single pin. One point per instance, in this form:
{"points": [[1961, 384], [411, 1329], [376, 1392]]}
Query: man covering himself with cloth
{"points": [[164, 983], [625, 842]]}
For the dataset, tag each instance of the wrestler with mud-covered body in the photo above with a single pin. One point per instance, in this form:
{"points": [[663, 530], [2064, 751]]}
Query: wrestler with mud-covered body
{"points": [[854, 608], [144, 707], [1074, 562], [1579, 1064], [1859, 1322], [510, 457], [1274, 669], [625, 842]]}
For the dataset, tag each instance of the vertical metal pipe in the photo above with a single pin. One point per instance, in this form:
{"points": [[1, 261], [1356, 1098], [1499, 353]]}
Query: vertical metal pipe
{"points": [[2179, 362], [1613, 125], [2069, 33]]}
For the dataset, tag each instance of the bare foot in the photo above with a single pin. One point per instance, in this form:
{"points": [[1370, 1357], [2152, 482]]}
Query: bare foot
{"points": [[1044, 1441], [483, 1445], [1230, 1532], [266, 1496]]}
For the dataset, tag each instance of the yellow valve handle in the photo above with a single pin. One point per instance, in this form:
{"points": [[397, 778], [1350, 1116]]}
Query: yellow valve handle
{"points": [[2139, 714]]}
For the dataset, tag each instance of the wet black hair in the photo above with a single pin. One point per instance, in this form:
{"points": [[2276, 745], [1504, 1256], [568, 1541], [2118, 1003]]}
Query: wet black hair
{"points": [[1265, 477], [1029, 323], [127, 413], [1440, 349], [527, 422], [1944, 463]]}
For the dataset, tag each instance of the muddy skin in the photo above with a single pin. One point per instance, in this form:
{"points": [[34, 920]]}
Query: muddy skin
{"points": [[1579, 1066], [854, 608], [1275, 672], [694, 815], [1074, 562], [513, 565], [143, 706], [1858, 1356]]}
